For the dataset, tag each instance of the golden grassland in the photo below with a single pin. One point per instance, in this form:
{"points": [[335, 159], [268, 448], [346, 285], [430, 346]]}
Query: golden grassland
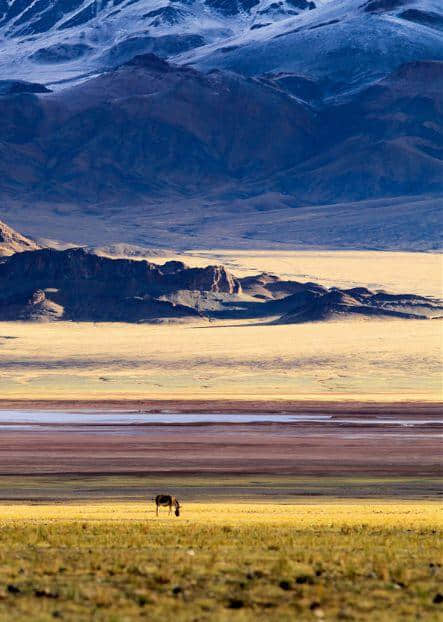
{"points": [[335, 560], [353, 513]]}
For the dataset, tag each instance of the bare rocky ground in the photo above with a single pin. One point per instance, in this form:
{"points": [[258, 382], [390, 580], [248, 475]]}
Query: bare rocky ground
{"points": [[47, 284]]}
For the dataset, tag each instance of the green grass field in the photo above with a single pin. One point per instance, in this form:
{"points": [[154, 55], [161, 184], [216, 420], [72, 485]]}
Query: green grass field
{"points": [[329, 560], [212, 487]]}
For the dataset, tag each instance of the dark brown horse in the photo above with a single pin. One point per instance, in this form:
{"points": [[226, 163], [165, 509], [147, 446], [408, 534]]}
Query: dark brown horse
{"points": [[167, 501]]}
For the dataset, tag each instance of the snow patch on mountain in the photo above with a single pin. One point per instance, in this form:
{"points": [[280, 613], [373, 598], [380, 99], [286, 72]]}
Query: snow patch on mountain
{"points": [[344, 43], [340, 44], [58, 40]]}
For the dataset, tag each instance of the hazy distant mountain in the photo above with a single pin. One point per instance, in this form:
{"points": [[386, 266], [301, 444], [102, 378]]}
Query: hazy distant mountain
{"points": [[342, 44]]}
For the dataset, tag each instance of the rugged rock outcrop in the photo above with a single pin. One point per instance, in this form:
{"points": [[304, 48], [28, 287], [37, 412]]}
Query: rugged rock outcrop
{"points": [[314, 306], [13, 242], [77, 285], [214, 279], [14, 87]]}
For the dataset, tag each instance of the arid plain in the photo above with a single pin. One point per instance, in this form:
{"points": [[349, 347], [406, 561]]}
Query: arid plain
{"points": [[364, 359], [232, 430], [346, 459]]}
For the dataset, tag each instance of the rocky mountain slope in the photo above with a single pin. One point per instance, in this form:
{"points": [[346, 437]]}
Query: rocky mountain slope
{"points": [[342, 43], [76, 285], [262, 111], [149, 129], [13, 242]]}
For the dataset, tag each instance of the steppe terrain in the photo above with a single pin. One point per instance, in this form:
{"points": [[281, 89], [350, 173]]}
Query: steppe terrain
{"points": [[222, 562], [289, 401], [335, 515]]}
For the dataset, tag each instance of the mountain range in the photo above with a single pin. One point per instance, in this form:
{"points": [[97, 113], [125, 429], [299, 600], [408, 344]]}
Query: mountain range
{"points": [[342, 44], [224, 122]]}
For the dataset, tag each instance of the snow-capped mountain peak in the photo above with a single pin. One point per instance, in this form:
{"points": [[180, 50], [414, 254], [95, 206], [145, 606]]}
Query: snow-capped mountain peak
{"points": [[335, 41]]}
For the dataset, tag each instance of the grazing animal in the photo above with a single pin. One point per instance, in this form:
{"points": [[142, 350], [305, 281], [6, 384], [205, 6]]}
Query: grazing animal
{"points": [[167, 501]]}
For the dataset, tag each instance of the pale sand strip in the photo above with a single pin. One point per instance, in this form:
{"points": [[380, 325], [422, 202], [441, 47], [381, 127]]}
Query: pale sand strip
{"points": [[373, 360]]}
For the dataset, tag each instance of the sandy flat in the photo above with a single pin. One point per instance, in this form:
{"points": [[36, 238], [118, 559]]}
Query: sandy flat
{"points": [[363, 359], [397, 272], [353, 359]]}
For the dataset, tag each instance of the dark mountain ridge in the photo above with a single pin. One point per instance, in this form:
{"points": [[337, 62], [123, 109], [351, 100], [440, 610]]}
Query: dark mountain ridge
{"points": [[148, 129], [151, 129], [80, 286]]}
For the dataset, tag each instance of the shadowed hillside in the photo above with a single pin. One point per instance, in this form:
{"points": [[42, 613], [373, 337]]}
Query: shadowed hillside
{"points": [[150, 142], [77, 285]]}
